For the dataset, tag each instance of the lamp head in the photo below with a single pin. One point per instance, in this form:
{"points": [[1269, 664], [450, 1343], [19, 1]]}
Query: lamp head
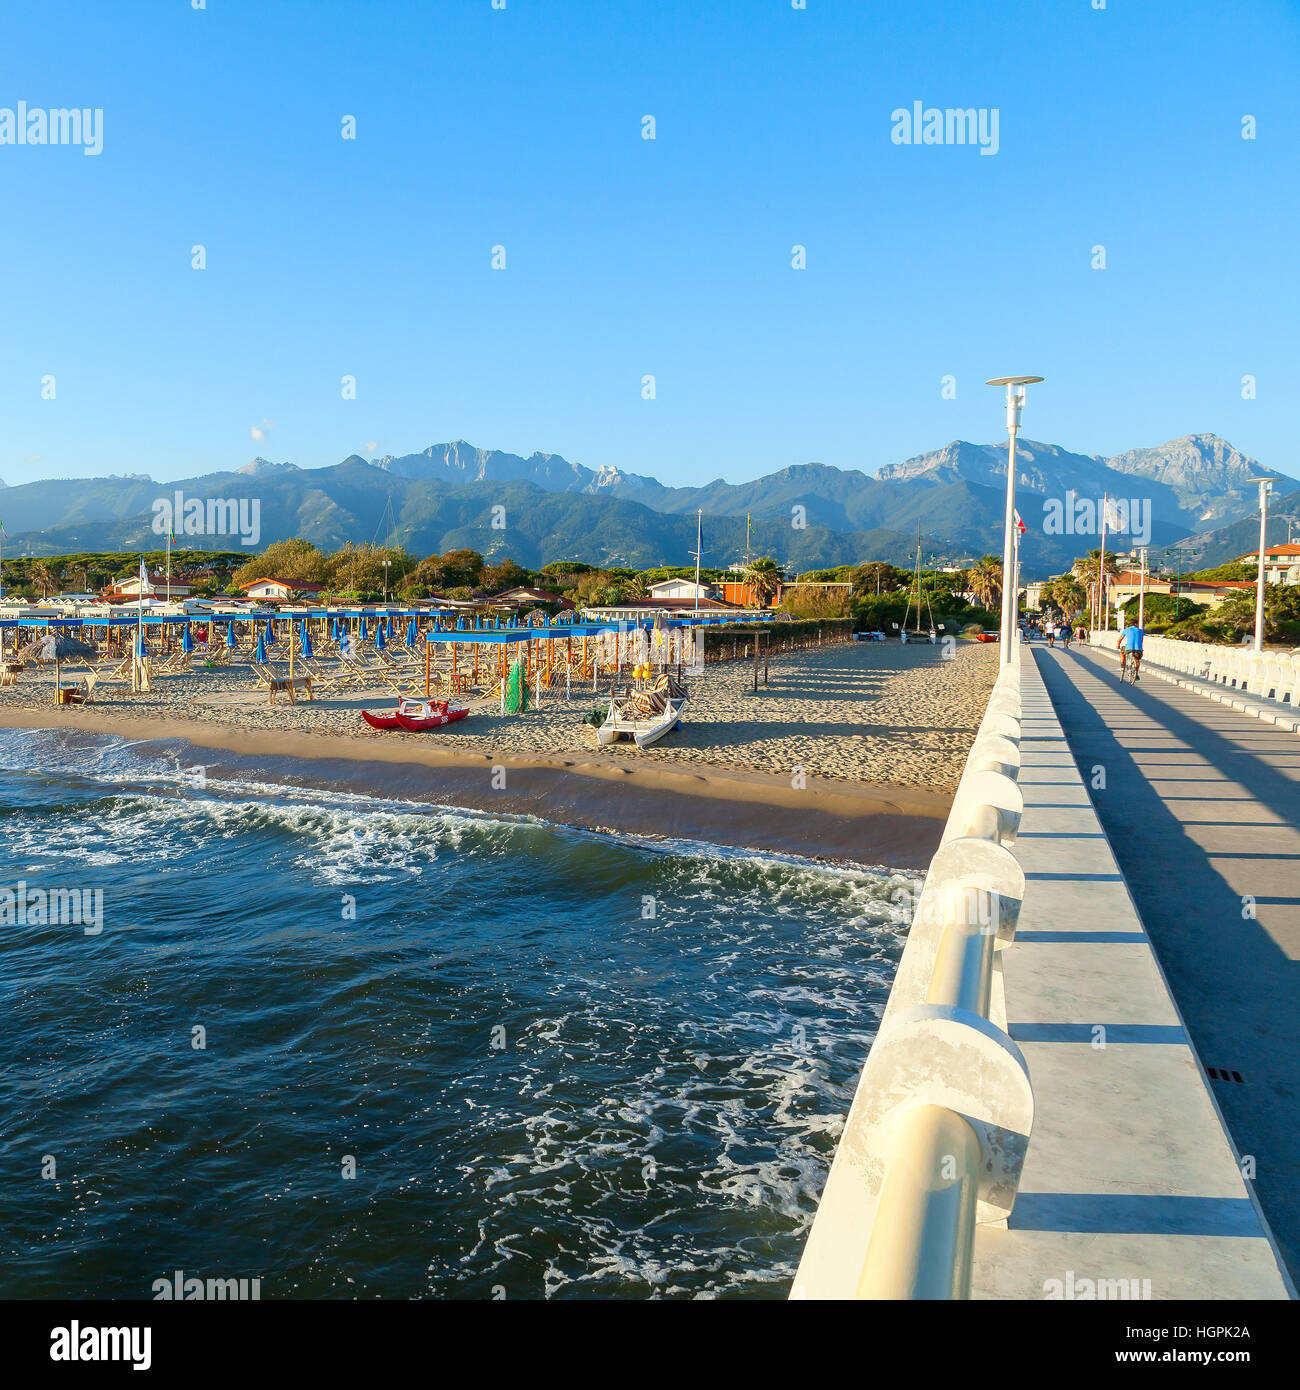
{"points": [[1015, 396]]}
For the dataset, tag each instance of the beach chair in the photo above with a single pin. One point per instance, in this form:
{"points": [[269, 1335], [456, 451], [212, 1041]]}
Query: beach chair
{"points": [[365, 671], [329, 679], [265, 676], [82, 693], [172, 664], [114, 670]]}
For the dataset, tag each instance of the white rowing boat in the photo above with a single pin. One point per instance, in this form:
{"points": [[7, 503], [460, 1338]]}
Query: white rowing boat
{"points": [[644, 728]]}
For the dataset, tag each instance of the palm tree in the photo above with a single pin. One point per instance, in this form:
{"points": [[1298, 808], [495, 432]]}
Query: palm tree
{"points": [[43, 576], [1068, 595], [765, 576], [1087, 568], [985, 580]]}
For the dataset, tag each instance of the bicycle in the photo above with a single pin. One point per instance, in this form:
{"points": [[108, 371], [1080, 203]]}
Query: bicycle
{"points": [[1128, 670]]}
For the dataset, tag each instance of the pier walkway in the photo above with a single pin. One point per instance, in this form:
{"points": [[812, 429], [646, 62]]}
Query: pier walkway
{"points": [[1201, 805], [1090, 1094]]}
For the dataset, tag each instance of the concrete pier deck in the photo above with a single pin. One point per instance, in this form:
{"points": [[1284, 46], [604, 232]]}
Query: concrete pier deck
{"points": [[1131, 1174]]}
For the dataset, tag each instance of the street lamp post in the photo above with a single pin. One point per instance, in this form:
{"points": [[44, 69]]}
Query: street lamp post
{"points": [[1265, 487], [1015, 405], [386, 565], [1142, 590]]}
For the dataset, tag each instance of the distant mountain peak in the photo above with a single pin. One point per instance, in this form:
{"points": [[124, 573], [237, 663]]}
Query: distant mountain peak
{"points": [[261, 465]]}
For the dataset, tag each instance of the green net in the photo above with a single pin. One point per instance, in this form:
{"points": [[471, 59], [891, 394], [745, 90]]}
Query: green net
{"points": [[517, 688]]}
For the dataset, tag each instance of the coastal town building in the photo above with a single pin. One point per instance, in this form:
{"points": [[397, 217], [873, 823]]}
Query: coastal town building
{"points": [[674, 589], [127, 590], [280, 590], [631, 609], [1281, 563], [1127, 583], [524, 596]]}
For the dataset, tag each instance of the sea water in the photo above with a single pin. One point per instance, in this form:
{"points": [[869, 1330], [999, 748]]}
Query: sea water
{"points": [[353, 1047]]}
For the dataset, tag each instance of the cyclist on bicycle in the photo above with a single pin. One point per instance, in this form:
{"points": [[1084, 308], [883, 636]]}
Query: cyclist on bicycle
{"points": [[1130, 644]]}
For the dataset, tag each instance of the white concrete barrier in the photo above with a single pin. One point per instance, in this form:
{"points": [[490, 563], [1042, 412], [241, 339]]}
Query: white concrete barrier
{"points": [[936, 1136]]}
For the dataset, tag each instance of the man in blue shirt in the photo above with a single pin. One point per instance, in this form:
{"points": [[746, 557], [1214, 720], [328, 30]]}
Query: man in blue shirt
{"points": [[1130, 644]]}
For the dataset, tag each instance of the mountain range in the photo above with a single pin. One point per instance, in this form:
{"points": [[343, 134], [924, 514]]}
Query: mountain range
{"points": [[545, 507]]}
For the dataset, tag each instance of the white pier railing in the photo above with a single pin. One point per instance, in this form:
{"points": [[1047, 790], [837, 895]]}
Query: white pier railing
{"points": [[1268, 675], [935, 1140]]}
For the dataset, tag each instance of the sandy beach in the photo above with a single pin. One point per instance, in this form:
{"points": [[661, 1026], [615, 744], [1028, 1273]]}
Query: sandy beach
{"points": [[857, 747]]}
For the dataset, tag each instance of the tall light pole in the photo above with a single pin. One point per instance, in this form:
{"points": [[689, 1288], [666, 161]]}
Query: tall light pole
{"points": [[386, 565], [1142, 590], [1265, 487], [1015, 404]]}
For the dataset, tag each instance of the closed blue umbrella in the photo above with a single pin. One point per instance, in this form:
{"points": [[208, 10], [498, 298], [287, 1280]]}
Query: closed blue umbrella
{"points": [[410, 633], [270, 634], [379, 637], [362, 634], [334, 629], [306, 641], [260, 655], [231, 644], [187, 642]]}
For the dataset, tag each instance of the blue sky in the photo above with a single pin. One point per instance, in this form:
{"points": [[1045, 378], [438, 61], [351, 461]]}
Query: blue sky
{"points": [[625, 257]]}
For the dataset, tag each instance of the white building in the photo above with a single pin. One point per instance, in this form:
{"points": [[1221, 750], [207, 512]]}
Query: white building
{"points": [[680, 589]]}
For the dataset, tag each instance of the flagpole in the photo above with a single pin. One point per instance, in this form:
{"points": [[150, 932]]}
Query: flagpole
{"points": [[1103, 613], [169, 566]]}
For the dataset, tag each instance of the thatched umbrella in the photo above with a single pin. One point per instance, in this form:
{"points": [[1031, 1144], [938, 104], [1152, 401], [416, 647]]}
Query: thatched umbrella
{"points": [[58, 648]]}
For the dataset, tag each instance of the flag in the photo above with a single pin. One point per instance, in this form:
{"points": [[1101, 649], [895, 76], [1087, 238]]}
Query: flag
{"points": [[145, 587]]}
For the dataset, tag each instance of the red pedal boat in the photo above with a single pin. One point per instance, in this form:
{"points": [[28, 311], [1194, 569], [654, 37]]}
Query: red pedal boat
{"points": [[415, 715], [414, 725]]}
